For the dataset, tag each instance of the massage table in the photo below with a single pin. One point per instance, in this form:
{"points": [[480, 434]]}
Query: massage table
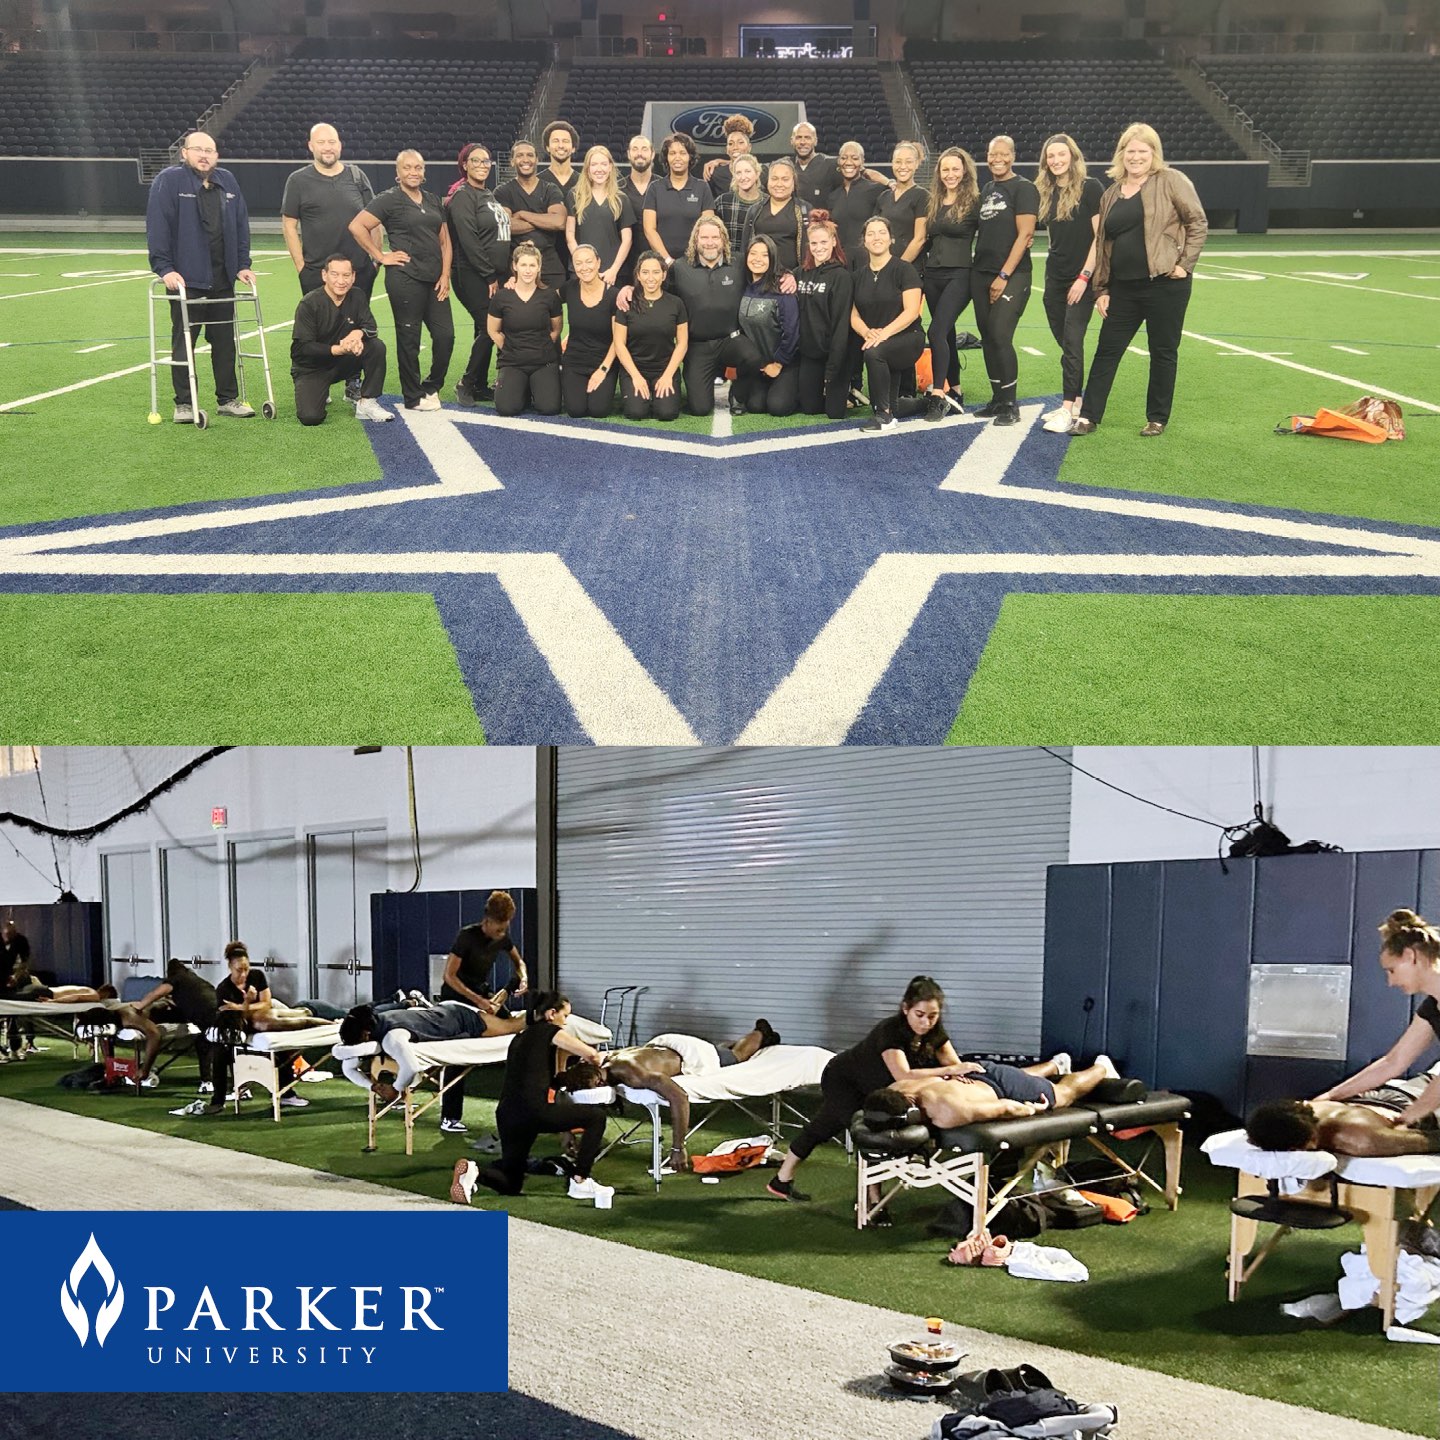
{"points": [[254, 1059], [771, 1074], [961, 1160], [58, 1020], [1378, 1193], [457, 1056]]}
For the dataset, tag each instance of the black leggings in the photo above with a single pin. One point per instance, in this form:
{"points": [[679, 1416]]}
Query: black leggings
{"points": [[580, 402], [414, 303], [707, 359], [886, 364], [657, 407], [819, 396], [947, 293], [765, 396], [473, 292], [521, 1125], [535, 386], [997, 324], [840, 1097], [1068, 324]]}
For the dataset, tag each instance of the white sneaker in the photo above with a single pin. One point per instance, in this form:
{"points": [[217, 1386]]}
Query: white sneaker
{"points": [[1054, 414], [591, 1190], [374, 410], [454, 1127], [149, 1082], [294, 1102], [463, 1181], [1063, 1062], [236, 410], [419, 997], [1108, 1065], [205, 1087], [428, 402], [1058, 422], [184, 414]]}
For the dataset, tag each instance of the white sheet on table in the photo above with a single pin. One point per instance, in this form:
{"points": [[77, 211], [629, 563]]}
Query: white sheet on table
{"points": [[771, 1072], [1401, 1172]]}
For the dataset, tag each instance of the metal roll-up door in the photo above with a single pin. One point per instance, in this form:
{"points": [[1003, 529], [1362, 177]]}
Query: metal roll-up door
{"points": [[809, 885]]}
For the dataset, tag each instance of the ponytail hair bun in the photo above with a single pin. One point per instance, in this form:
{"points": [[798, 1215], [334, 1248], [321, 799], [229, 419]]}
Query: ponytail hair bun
{"points": [[1405, 930]]}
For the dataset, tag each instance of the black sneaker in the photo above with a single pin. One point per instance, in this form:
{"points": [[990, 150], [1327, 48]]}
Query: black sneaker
{"points": [[990, 411], [737, 406], [464, 395], [935, 407], [1006, 415], [352, 389], [784, 1190], [882, 422], [483, 392]]}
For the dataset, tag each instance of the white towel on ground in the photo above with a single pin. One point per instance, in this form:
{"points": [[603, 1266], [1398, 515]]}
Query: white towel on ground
{"points": [[1044, 1262]]}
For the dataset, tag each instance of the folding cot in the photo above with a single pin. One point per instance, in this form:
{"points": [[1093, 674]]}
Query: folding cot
{"points": [[254, 1061], [1376, 1192], [60, 1020], [961, 1160]]}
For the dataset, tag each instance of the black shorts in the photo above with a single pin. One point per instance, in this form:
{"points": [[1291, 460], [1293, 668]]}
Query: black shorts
{"points": [[1010, 1083]]}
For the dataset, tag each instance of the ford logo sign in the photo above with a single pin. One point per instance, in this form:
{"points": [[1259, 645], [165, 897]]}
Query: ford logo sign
{"points": [[705, 124]]}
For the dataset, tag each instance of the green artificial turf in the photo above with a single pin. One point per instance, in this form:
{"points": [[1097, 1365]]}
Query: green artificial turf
{"points": [[1212, 670], [1155, 1299], [221, 669]]}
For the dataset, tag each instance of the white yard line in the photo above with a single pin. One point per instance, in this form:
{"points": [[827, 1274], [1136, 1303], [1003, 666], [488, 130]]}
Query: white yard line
{"points": [[91, 349], [1365, 387], [88, 285], [1349, 349], [1346, 285]]}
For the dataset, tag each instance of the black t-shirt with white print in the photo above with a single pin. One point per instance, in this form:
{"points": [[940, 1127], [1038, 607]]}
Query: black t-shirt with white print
{"points": [[1000, 202]]}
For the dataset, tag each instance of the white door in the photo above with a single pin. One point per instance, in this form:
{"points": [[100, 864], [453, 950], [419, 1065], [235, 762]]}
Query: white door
{"points": [[345, 867]]}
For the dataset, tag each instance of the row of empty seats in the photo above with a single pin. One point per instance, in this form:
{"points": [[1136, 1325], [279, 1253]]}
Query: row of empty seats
{"points": [[106, 105], [969, 98], [606, 103], [1369, 107], [380, 106]]}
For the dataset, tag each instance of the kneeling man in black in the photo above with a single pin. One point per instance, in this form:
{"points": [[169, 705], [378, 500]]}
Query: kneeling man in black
{"points": [[334, 337]]}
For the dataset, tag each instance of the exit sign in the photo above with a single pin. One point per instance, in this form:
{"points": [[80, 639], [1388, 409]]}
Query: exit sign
{"points": [[218, 817]]}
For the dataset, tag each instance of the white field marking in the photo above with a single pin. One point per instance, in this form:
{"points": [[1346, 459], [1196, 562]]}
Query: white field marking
{"points": [[63, 289], [1329, 275], [1346, 285], [1365, 387], [1136, 350], [120, 374], [982, 465], [1266, 354], [91, 349], [722, 424], [823, 696], [648, 440], [19, 274], [1220, 272], [455, 462], [1031, 350], [105, 274], [1348, 349]]}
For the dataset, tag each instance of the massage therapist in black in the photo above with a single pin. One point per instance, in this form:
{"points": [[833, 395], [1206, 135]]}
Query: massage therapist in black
{"points": [[472, 957]]}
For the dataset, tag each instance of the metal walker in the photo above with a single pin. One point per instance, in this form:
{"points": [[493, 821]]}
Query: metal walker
{"points": [[250, 297]]}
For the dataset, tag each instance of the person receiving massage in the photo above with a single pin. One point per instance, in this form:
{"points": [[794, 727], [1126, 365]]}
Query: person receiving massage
{"points": [[396, 1028], [656, 1064], [992, 1092], [1410, 956], [1369, 1125], [526, 1111], [911, 1042]]}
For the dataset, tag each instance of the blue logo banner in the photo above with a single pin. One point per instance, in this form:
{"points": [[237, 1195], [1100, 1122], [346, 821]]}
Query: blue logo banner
{"points": [[273, 1301]]}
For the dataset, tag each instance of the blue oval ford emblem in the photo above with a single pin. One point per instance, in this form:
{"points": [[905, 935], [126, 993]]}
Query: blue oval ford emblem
{"points": [[705, 124]]}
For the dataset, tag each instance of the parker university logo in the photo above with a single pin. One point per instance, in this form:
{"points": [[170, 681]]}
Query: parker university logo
{"points": [[107, 1313], [270, 1301]]}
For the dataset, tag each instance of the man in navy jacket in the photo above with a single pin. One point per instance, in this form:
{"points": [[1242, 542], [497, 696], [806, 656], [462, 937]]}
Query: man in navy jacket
{"points": [[198, 232]]}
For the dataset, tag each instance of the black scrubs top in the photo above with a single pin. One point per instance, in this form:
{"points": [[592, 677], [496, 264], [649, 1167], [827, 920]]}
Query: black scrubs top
{"points": [[412, 227], [589, 334], [879, 294], [526, 326], [1070, 238]]}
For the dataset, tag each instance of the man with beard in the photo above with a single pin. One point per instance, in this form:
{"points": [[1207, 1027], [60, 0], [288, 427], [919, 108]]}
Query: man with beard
{"points": [[537, 210], [641, 155]]}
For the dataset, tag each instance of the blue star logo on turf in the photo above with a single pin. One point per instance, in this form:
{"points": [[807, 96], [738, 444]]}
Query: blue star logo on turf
{"points": [[616, 585]]}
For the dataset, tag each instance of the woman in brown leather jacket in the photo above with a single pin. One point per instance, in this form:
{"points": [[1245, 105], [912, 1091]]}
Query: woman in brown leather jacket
{"points": [[1152, 228]]}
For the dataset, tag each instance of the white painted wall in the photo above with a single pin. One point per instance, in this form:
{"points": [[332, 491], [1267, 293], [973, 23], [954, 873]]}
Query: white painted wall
{"points": [[476, 808], [1357, 797]]}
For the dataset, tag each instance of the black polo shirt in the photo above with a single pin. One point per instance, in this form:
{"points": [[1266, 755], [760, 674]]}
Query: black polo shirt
{"points": [[711, 296], [677, 210]]}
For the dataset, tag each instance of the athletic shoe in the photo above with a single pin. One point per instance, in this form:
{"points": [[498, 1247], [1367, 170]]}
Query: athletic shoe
{"points": [[352, 389], [1058, 413], [990, 411], [184, 415], [1153, 428], [737, 406], [195, 1107], [149, 1082], [373, 410], [1081, 426], [856, 400], [454, 1127], [294, 1102], [464, 395], [463, 1181], [483, 392], [1058, 422], [1007, 415], [1063, 1061], [428, 401], [419, 997], [401, 997], [236, 410], [205, 1087], [784, 1190], [880, 423], [591, 1189], [1108, 1065], [935, 407]]}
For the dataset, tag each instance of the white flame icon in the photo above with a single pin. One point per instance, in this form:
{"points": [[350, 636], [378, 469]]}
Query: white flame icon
{"points": [[109, 1312]]}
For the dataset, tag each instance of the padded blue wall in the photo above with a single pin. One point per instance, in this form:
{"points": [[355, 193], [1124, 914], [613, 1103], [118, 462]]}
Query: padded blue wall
{"points": [[1165, 948], [407, 929], [65, 940]]}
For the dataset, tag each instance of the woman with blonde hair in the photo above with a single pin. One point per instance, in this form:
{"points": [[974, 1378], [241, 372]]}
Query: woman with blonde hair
{"points": [[950, 223], [905, 204], [1410, 956], [734, 204], [601, 215], [1152, 228], [1070, 211], [524, 325]]}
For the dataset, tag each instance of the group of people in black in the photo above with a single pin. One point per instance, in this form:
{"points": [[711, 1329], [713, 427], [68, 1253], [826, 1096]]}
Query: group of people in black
{"points": [[797, 277]]}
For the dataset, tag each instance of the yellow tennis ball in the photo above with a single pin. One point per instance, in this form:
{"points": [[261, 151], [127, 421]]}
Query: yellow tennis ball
{"points": [[153, 417]]}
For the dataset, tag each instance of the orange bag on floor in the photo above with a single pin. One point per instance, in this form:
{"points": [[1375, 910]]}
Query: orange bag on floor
{"points": [[1368, 419], [924, 375], [1116, 1209]]}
